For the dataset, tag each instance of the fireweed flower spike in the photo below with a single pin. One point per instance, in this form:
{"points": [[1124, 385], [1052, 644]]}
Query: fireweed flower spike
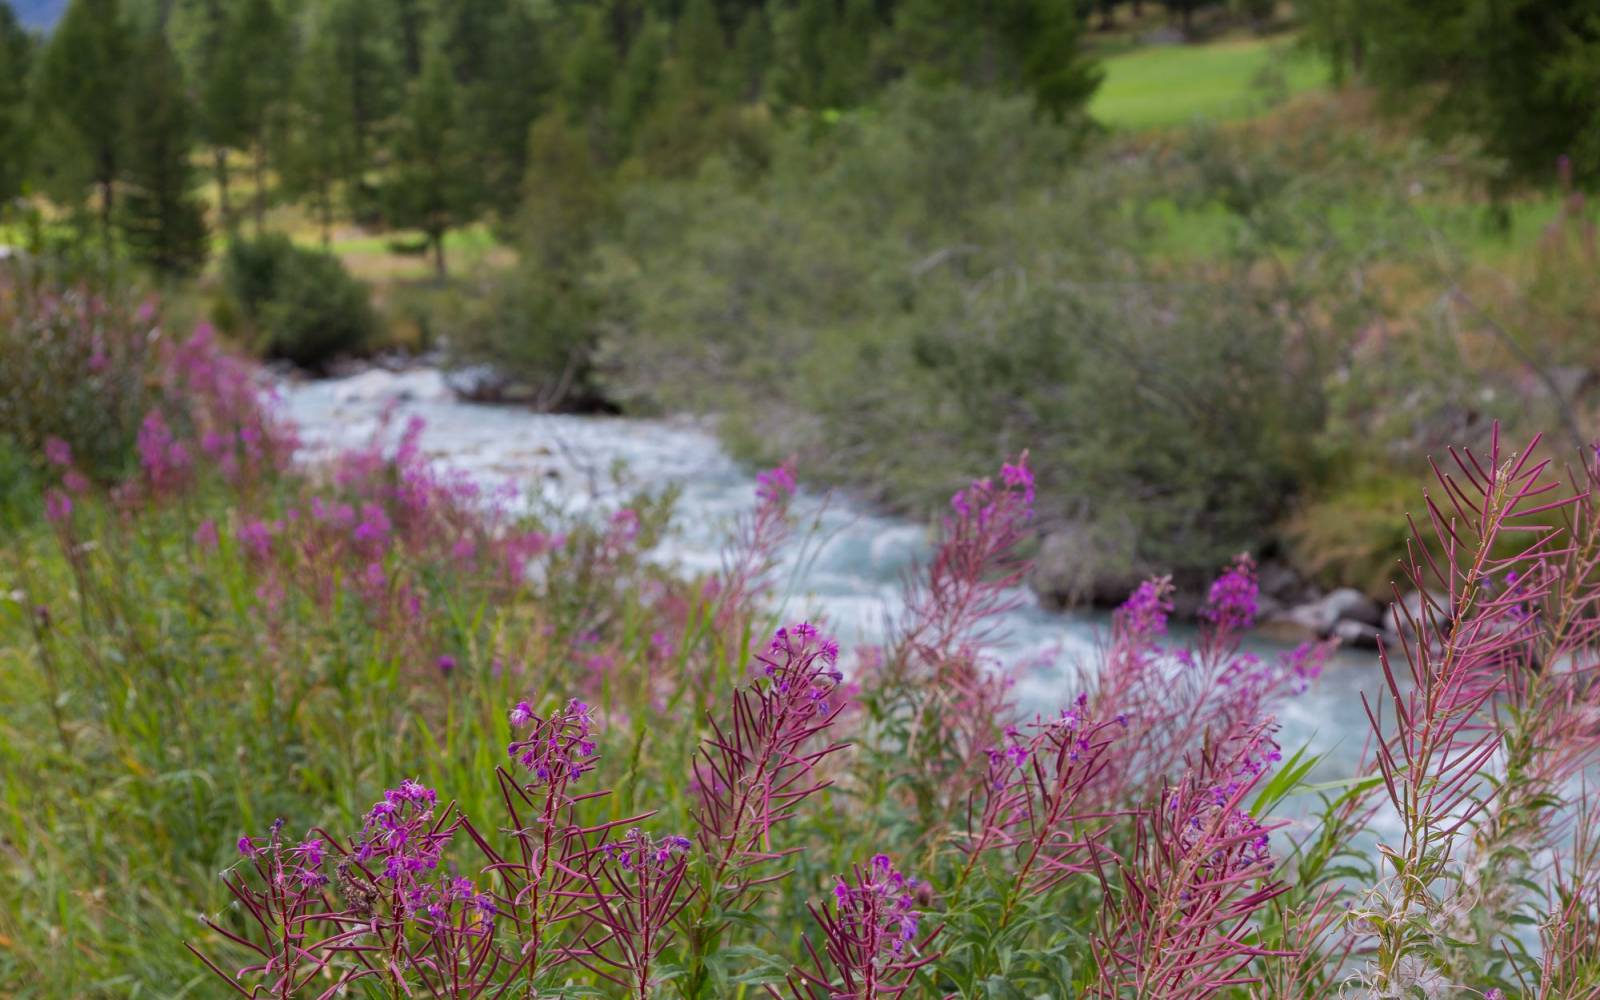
{"points": [[941, 702], [751, 553], [1467, 636], [873, 939], [636, 891], [755, 771], [1200, 869], [282, 891], [548, 875]]}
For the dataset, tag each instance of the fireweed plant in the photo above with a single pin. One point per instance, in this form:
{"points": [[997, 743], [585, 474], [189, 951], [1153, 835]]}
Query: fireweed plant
{"points": [[513, 756]]}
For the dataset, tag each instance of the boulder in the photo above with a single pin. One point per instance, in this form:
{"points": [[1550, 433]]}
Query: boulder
{"points": [[1302, 622], [1282, 584], [379, 386], [1347, 602], [1078, 564], [1321, 618], [1361, 634]]}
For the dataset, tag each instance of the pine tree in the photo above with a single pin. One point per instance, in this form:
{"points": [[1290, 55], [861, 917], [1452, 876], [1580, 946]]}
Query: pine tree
{"points": [[317, 128], [366, 81], [639, 85], [82, 76], [1522, 76], [16, 57], [432, 188], [514, 89], [162, 221], [751, 59], [699, 47], [255, 57]]}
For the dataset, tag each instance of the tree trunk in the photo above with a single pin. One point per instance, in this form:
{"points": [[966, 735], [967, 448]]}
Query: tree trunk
{"points": [[107, 204], [260, 168], [327, 216], [219, 161], [438, 254]]}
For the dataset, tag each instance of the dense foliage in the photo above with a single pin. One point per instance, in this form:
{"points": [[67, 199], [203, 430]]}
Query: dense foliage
{"points": [[435, 746], [1521, 76], [299, 304]]}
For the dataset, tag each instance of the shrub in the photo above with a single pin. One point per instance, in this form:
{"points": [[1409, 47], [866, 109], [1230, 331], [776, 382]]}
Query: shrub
{"points": [[303, 305], [76, 359]]}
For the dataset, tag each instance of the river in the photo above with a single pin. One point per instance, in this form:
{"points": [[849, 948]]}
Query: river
{"points": [[845, 566]]}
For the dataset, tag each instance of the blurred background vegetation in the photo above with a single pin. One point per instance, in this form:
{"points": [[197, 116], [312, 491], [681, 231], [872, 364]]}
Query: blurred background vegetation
{"points": [[1225, 267]]}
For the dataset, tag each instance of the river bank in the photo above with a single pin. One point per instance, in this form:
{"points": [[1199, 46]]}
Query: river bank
{"points": [[846, 564]]}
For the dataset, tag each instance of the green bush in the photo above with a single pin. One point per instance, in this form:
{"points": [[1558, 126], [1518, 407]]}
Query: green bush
{"points": [[302, 305], [947, 277]]}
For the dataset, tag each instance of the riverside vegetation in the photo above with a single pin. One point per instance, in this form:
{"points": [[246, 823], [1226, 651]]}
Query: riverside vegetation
{"points": [[892, 239], [365, 730]]}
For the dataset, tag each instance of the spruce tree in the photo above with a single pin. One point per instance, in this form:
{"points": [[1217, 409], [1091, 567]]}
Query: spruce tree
{"points": [[256, 59], [515, 86], [639, 85], [82, 78], [317, 130], [751, 59], [200, 30], [162, 221], [433, 187], [367, 82], [699, 46], [1522, 76], [16, 57]]}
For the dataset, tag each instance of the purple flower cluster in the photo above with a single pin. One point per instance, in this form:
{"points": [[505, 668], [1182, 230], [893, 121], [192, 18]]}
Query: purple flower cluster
{"points": [[299, 866], [438, 905], [1232, 603], [1007, 759], [792, 652], [558, 750], [164, 458], [400, 831], [637, 851], [880, 908], [1143, 616], [775, 486], [984, 502]]}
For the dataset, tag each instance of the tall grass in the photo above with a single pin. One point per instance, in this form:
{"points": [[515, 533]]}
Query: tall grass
{"points": [[369, 730]]}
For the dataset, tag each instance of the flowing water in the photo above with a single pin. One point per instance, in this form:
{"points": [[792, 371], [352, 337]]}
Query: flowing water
{"points": [[847, 569]]}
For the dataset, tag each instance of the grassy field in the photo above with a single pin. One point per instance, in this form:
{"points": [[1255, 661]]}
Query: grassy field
{"points": [[1178, 84]]}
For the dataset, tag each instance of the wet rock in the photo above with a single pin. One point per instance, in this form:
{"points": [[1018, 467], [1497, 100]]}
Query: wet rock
{"points": [[1347, 602], [1078, 564], [1280, 582], [380, 386], [1322, 618], [486, 384], [1363, 635]]}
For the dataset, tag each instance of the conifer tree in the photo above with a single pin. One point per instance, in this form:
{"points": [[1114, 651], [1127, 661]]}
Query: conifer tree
{"points": [[432, 187], [367, 80], [255, 60], [639, 85], [162, 221], [317, 128], [699, 46], [751, 59], [514, 89], [16, 57], [82, 77]]}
